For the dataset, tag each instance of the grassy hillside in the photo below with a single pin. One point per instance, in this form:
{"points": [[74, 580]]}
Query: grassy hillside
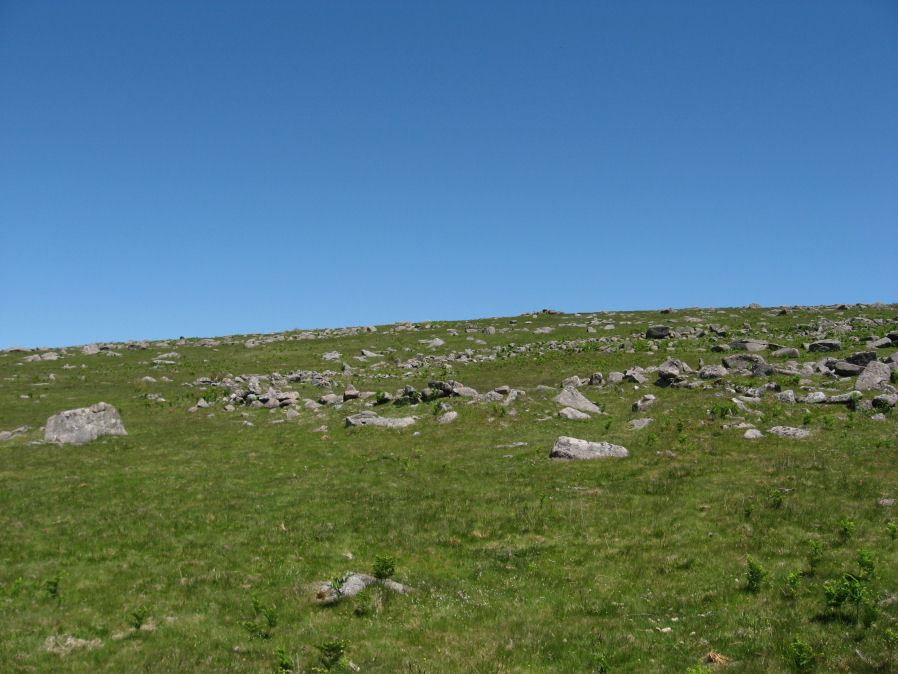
{"points": [[196, 542]]}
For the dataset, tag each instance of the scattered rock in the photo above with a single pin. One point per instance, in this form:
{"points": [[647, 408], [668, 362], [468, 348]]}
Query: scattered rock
{"points": [[752, 434], [658, 332], [639, 424]]}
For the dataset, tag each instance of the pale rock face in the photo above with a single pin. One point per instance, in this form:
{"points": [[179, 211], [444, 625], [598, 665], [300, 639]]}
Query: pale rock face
{"points": [[874, 374], [639, 424], [369, 418], [789, 432], [84, 424], [575, 448], [353, 584]]}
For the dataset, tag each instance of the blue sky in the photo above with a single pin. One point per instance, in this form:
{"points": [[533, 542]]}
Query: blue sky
{"points": [[171, 168]]}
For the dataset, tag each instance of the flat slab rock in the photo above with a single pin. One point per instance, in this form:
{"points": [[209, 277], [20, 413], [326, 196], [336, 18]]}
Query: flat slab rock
{"points": [[789, 432], [353, 584], [84, 424], [575, 448], [369, 418], [571, 397], [573, 415]]}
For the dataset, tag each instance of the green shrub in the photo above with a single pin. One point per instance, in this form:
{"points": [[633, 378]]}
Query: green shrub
{"points": [[800, 655], [51, 587], [815, 554], [384, 567], [892, 529], [846, 529], [263, 621], [138, 617], [867, 564], [754, 576], [285, 662], [792, 585], [330, 654]]}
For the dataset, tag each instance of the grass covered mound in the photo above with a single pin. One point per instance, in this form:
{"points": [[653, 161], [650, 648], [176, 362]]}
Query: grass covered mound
{"points": [[243, 525]]}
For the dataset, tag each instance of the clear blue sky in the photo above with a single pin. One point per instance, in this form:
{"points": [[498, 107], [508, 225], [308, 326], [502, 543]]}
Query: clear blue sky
{"points": [[171, 168]]}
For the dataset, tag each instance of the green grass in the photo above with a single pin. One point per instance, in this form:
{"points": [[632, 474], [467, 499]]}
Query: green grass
{"points": [[194, 543]]}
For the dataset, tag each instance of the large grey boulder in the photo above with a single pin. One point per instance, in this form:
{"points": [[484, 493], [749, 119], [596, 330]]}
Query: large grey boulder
{"points": [[874, 374], [369, 418], [861, 358], [825, 345], [843, 368], [574, 448], [84, 424], [571, 397], [657, 332], [880, 343], [712, 372]]}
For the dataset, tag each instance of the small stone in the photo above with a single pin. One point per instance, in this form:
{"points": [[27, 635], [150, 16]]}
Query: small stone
{"points": [[448, 417], [644, 403]]}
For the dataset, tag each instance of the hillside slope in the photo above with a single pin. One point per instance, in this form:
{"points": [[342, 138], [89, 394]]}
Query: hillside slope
{"points": [[220, 532]]}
